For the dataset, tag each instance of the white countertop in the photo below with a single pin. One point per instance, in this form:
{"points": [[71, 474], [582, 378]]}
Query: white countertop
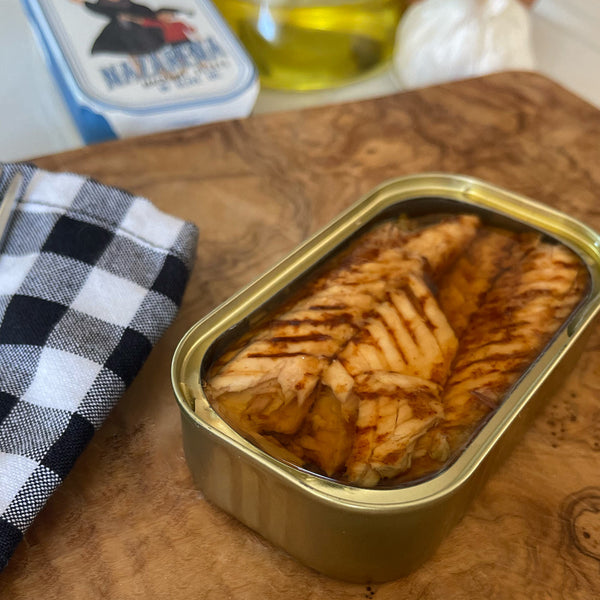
{"points": [[35, 120]]}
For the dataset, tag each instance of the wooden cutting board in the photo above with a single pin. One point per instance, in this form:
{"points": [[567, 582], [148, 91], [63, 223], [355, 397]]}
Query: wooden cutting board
{"points": [[128, 523]]}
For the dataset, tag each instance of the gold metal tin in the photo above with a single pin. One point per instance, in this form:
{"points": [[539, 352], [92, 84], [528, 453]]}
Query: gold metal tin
{"points": [[354, 534]]}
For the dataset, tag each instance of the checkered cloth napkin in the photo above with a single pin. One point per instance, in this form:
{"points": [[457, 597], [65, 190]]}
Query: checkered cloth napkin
{"points": [[90, 278]]}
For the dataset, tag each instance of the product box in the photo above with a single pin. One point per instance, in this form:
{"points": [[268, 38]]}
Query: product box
{"points": [[130, 68]]}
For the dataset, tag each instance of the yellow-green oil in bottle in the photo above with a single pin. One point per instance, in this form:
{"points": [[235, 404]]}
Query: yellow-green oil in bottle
{"points": [[314, 44]]}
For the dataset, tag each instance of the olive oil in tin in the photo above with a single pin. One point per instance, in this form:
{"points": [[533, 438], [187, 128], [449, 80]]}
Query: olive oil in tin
{"points": [[314, 44]]}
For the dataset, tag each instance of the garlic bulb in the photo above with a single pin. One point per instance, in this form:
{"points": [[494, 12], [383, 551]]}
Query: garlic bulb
{"points": [[443, 40]]}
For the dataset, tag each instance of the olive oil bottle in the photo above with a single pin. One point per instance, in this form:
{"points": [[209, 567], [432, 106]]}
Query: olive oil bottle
{"points": [[314, 44]]}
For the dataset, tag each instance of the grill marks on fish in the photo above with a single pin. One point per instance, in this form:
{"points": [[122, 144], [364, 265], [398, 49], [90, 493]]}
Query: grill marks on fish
{"points": [[462, 291], [523, 309], [398, 362], [438, 244], [463, 288], [399, 350], [405, 333], [286, 360], [270, 384], [394, 411]]}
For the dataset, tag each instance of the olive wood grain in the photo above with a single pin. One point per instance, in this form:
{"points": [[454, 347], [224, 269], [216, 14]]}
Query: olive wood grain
{"points": [[128, 523]]}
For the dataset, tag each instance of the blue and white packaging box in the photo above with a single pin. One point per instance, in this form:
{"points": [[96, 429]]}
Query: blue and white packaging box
{"points": [[129, 68]]}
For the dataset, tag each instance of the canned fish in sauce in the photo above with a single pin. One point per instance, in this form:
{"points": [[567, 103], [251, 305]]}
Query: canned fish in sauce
{"points": [[412, 325]]}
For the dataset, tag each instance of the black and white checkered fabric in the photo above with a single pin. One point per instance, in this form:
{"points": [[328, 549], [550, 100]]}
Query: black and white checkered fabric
{"points": [[90, 278]]}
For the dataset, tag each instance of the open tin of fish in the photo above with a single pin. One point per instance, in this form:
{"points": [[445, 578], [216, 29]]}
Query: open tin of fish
{"points": [[342, 530]]}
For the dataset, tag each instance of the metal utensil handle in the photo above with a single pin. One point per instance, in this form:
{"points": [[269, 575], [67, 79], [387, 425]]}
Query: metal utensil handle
{"points": [[8, 204]]}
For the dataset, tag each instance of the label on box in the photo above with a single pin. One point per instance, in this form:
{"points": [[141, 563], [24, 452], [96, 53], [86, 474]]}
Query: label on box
{"points": [[130, 68], [146, 54]]}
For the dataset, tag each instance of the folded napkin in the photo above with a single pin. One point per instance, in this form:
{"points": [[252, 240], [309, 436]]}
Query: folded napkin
{"points": [[90, 278]]}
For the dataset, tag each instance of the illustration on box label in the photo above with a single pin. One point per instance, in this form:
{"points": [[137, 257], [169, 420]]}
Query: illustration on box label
{"points": [[138, 53]]}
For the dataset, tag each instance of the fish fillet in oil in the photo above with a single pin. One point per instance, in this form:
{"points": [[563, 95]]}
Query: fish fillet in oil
{"points": [[405, 350], [463, 288], [524, 308], [391, 359], [461, 292], [394, 411], [270, 384], [405, 333]]}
